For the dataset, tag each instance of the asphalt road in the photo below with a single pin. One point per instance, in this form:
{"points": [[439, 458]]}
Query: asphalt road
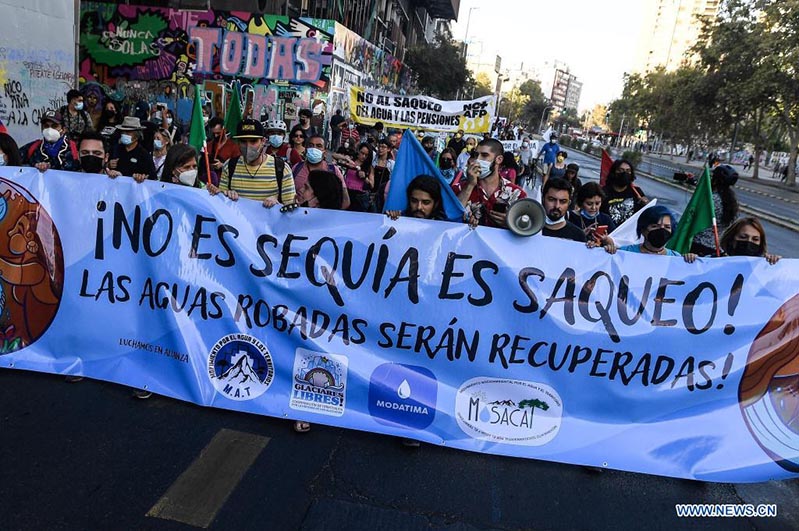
{"points": [[785, 205]]}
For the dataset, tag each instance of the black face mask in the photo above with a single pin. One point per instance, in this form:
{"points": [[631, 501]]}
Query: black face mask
{"points": [[745, 248], [92, 163], [657, 238], [445, 164], [622, 179]]}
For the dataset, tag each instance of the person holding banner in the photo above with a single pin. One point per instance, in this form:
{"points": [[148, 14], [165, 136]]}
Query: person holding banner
{"points": [[656, 224], [589, 199], [746, 237], [315, 160], [180, 166], [424, 200], [725, 205], [485, 194], [556, 200], [622, 197]]}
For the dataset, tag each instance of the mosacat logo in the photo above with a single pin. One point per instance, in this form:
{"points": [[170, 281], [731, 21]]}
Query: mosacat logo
{"points": [[509, 411], [403, 396]]}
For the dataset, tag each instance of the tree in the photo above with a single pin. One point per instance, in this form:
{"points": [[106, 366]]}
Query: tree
{"points": [[567, 118], [481, 86], [512, 104], [440, 70], [534, 106]]}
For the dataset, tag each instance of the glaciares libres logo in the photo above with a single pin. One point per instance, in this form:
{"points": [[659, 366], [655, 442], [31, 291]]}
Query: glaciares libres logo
{"points": [[320, 383], [509, 411], [240, 367]]}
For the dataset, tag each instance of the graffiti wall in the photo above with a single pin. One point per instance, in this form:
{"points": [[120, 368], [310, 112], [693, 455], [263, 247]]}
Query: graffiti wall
{"points": [[359, 63], [157, 54], [37, 62]]}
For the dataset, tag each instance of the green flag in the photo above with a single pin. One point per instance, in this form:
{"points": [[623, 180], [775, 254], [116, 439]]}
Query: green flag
{"points": [[197, 131], [698, 216], [233, 116]]}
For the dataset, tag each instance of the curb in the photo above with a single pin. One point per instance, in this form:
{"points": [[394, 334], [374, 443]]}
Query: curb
{"points": [[743, 206]]}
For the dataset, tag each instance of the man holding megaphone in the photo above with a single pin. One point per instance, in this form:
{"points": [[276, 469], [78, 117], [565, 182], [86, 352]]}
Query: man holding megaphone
{"points": [[483, 192]]}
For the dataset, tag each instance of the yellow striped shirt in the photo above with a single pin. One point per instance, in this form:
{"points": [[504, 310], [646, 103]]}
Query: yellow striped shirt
{"points": [[258, 182]]}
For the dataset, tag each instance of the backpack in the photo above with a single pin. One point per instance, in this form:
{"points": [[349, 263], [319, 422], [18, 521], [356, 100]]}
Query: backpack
{"points": [[280, 168]]}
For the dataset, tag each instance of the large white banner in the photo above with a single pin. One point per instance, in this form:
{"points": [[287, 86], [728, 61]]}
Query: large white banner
{"points": [[37, 62], [421, 112]]}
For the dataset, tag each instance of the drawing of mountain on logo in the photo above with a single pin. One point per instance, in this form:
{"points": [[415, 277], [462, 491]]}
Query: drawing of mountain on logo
{"points": [[241, 371]]}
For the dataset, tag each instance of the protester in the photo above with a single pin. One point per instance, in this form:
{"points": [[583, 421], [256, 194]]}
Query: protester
{"points": [[394, 143], [295, 150], [571, 176], [322, 189], [429, 145], [305, 116], [558, 169], [132, 159], [588, 218], [161, 144], [276, 138], [109, 120], [315, 161], [9, 151], [457, 143], [173, 129], [622, 197], [463, 157], [75, 119], [335, 129], [509, 169], [746, 237], [54, 150], [349, 133], [446, 163], [550, 151], [360, 180], [656, 224], [424, 199], [556, 198], [260, 176], [220, 148], [93, 153], [180, 166], [725, 205], [383, 165], [485, 194]]}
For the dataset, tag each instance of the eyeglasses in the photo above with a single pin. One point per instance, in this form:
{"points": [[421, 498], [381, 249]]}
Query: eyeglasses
{"points": [[446, 158]]}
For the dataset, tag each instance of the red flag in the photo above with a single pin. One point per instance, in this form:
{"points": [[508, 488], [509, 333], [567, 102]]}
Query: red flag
{"points": [[604, 168]]}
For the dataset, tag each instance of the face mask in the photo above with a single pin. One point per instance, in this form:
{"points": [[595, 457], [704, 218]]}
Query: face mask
{"points": [[50, 134], [525, 145], [622, 179], [169, 121], [205, 120], [584, 213], [657, 238], [251, 154], [276, 140], [745, 248], [445, 164], [157, 115], [313, 155], [126, 140], [486, 168], [91, 163], [560, 159], [79, 106], [2, 159], [188, 177], [552, 141], [157, 144]]}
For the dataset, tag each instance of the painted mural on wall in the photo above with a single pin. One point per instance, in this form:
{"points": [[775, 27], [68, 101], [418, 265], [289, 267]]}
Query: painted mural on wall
{"points": [[157, 54], [359, 63]]}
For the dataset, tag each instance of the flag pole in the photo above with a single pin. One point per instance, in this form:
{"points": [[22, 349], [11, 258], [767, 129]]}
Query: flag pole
{"points": [[716, 236], [207, 163]]}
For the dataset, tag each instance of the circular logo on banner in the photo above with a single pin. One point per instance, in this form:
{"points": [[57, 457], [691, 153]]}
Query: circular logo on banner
{"points": [[240, 367], [31, 268]]}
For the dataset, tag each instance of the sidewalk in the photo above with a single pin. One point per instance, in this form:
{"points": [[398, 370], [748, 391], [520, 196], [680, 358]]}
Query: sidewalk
{"points": [[765, 173]]}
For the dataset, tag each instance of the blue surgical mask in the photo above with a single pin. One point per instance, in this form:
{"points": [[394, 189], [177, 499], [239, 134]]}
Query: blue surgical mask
{"points": [[584, 213], [313, 155], [2, 159], [79, 106], [157, 144], [276, 140], [125, 140]]}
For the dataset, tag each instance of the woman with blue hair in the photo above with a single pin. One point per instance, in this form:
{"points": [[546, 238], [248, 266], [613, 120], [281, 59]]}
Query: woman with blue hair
{"points": [[656, 224]]}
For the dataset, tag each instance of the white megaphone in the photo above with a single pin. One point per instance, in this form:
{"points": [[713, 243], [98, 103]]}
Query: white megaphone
{"points": [[526, 217]]}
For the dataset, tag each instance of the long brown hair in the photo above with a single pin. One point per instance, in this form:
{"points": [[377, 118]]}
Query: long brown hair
{"points": [[728, 238]]}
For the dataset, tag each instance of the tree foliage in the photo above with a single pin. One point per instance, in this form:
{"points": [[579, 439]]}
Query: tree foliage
{"points": [[440, 70]]}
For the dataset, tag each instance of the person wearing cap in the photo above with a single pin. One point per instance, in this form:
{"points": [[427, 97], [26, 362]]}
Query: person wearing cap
{"points": [[54, 150], [256, 174], [132, 159], [75, 119]]}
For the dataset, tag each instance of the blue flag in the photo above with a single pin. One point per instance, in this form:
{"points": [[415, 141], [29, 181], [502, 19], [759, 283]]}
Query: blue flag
{"points": [[412, 160]]}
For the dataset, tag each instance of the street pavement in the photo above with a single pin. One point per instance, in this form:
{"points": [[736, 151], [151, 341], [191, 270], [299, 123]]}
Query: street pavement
{"points": [[88, 455]]}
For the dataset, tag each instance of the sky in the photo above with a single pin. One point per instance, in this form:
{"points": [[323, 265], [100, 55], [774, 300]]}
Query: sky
{"points": [[597, 39]]}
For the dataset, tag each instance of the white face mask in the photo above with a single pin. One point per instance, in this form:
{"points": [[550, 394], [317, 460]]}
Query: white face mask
{"points": [[188, 177], [50, 134], [169, 121], [485, 168], [276, 140], [313, 155], [205, 120], [79, 106], [125, 140], [2, 159]]}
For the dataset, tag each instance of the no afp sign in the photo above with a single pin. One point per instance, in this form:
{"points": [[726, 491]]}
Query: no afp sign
{"points": [[475, 109]]}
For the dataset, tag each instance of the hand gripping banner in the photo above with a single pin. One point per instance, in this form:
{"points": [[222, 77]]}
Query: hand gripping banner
{"points": [[476, 339]]}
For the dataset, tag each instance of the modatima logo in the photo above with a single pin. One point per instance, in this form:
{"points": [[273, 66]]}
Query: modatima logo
{"points": [[240, 367], [509, 411], [403, 395]]}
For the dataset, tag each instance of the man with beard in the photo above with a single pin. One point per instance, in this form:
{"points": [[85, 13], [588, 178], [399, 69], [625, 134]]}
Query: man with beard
{"points": [[424, 199], [556, 199], [622, 197]]}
